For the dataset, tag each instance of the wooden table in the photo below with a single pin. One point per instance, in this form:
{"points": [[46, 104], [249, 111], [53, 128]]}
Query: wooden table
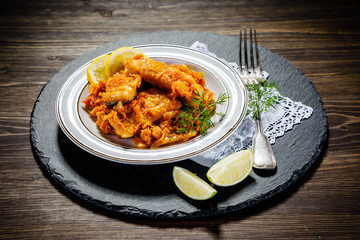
{"points": [[38, 38]]}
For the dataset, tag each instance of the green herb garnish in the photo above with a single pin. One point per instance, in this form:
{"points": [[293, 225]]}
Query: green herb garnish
{"points": [[196, 114], [261, 98]]}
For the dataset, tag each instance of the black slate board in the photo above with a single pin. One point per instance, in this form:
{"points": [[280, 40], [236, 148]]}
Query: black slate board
{"points": [[148, 191]]}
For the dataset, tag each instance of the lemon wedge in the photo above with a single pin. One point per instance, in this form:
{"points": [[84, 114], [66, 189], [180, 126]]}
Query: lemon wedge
{"points": [[191, 185], [96, 70], [116, 60], [232, 169]]}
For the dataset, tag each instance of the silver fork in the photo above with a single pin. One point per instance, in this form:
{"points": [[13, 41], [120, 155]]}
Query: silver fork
{"points": [[263, 154]]}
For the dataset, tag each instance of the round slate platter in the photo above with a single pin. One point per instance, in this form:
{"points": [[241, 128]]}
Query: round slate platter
{"points": [[148, 190]]}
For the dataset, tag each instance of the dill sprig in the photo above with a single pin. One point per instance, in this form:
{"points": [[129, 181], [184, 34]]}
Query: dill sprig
{"points": [[261, 97], [196, 114]]}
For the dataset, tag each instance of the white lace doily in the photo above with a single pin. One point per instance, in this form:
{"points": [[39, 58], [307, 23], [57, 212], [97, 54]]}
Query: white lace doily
{"points": [[275, 122]]}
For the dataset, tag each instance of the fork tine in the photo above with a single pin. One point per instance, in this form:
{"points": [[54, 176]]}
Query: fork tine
{"points": [[245, 52], [251, 53], [240, 52], [258, 65]]}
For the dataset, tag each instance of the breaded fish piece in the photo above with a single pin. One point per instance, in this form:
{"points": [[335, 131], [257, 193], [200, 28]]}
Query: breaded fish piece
{"points": [[169, 77], [149, 106], [121, 87]]}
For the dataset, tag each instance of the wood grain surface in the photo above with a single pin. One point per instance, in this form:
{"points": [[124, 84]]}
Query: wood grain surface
{"points": [[322, 38]]}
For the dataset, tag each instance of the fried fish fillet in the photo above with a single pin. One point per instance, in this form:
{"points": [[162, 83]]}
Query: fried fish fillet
{"points": [[121, 87], [179, 80]]}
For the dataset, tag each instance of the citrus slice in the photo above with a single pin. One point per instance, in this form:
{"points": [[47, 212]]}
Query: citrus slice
{"points": [[231, 169], [96, 70], [191, 185], [116, 61]]}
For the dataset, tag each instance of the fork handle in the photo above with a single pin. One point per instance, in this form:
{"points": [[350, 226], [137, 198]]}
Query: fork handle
{"points": [[263, 154]]}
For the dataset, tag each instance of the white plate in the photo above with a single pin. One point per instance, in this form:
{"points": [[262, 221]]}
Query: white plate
{"points": [[81, 128]]}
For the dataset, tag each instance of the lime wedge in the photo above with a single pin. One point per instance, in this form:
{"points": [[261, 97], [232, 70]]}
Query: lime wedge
{"points": [[231, 169], [191, 185]]}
